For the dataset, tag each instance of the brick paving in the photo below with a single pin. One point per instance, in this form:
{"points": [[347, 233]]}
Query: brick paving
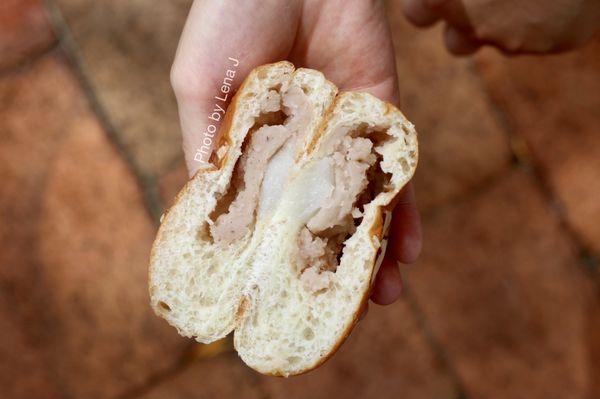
{"points": [[20, 373], [553, 103], [501, 289], [74, 275], [461, 141], [222, 377], [500, 305], [127, 48], [171, 182]]}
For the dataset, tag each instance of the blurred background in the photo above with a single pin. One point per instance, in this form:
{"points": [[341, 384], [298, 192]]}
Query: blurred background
{"points": [[504, 302]]}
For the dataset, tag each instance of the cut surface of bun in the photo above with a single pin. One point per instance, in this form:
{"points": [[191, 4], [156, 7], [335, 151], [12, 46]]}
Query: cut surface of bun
{"points": [[280, 236]]}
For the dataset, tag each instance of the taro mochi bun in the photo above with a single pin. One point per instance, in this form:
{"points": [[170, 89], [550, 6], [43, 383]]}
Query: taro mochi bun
{"points": [[280, 236]]}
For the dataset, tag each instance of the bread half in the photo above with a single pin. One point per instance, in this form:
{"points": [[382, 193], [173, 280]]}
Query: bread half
{"points": [[280, 236]]}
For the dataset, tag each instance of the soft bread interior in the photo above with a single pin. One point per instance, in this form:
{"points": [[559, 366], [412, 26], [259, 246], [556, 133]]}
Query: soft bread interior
{"points": [[281, 237], [198, 273]]}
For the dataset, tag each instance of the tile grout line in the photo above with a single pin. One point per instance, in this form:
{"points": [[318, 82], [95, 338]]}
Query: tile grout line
{"points": [[515, 162], [588, 262], [475, 190], [519, 160], [146, 183], [433, 342], [154, 380], [498, 114], [158, 379]]}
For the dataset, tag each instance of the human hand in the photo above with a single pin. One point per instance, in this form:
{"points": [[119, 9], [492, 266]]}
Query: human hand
{"points": [[347, 40], [513, 26]]}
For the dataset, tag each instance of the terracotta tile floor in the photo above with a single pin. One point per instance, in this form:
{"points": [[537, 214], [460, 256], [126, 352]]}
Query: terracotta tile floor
{"points": [[504, 302]]}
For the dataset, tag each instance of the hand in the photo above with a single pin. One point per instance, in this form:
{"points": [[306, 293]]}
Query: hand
{"points": [[348, 40], [514, 26]]}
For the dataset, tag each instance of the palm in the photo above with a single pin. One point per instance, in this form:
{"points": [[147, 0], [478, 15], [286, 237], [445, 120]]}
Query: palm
{"points": [[350, 44]]}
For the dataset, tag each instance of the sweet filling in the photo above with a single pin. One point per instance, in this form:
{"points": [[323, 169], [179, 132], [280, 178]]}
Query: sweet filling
{"points": [[357, 179], [273, 139], [350, 161], [235, 224], [347, 179]]}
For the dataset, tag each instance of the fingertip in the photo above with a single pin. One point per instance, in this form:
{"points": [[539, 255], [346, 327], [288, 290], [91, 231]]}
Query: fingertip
{"points": [[459, 43], [406, 234], [388, 283], [418, 13], [412, 242]]}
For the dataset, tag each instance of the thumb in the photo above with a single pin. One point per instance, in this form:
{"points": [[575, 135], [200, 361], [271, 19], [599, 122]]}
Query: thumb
{"points": [[220, 45]]}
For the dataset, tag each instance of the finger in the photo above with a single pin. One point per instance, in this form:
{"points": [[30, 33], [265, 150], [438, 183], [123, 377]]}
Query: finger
{"points": [[387, 287], [405, 237], [419, 13], [356, 52], [214, 33], [452, 11], [460, 43]]}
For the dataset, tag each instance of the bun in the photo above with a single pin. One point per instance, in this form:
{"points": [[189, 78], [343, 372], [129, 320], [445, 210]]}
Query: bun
{"points": [[279, 238]]}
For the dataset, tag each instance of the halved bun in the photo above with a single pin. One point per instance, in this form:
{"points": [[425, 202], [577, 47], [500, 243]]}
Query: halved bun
{"points": [[280, 236]]}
